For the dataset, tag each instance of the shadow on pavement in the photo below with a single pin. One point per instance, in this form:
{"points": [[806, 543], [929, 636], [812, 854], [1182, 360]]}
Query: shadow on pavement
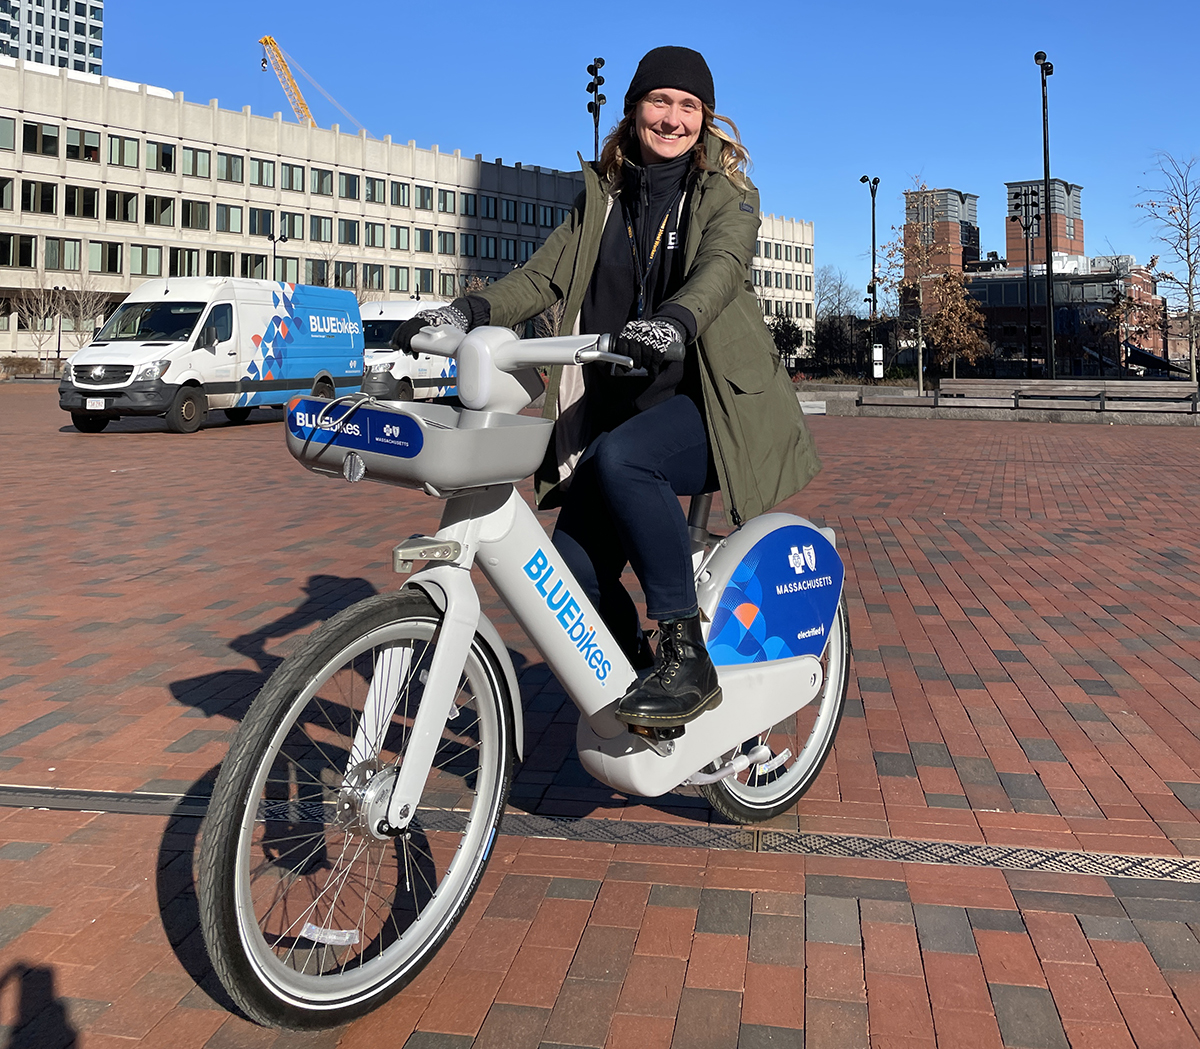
{"points": [[216, 420], [41, 1016]]}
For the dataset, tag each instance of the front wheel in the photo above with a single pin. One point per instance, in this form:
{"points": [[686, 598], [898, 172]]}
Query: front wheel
{"points": [[799, 744], [309, 918], [188, 409]]}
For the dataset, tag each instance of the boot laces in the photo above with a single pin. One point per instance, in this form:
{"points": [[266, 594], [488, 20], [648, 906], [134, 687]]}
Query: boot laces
{"points": [[669, 653]]}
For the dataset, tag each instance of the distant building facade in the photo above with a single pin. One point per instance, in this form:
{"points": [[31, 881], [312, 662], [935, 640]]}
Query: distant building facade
{"points": [[1066, 221], [67, 34], [782, 270], [947, 222]]}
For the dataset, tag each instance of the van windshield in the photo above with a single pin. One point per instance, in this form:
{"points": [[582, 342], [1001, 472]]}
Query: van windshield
{"points": [[143, 321], [377, 335]]}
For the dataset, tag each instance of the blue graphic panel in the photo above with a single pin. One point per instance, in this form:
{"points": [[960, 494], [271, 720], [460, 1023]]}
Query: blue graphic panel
{"points": [[781, 600], [361, 429]]}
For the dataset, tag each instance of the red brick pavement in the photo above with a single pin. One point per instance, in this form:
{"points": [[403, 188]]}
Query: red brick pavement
{"points": [[1026, 642]]}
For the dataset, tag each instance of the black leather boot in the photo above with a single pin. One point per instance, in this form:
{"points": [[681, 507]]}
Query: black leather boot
{"points": [[683, 685]]}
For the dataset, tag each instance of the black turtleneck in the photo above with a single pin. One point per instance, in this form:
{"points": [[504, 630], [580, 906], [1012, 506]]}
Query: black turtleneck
{"points": [[648, 193]]}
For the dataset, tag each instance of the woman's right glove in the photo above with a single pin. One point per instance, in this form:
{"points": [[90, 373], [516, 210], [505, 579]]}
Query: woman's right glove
{"points": [[646, 342], [402, 337]]}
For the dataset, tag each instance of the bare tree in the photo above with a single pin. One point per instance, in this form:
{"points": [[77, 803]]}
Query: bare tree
{"points": [[1173, 205], [83, 304], [37, 306], [548, 323]]}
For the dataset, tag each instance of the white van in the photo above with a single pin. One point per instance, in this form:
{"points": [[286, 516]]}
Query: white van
{"points": [[181, 346], [394, 376]]}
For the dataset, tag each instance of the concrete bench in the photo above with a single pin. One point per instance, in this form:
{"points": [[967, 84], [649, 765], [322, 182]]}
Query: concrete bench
{"points": [[1069, 394]]}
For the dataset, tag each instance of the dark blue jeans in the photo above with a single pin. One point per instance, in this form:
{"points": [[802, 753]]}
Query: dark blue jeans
{"points": [[622, 507]]}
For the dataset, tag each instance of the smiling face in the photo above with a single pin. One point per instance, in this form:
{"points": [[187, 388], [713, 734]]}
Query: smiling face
{"points": [[668, 124]]}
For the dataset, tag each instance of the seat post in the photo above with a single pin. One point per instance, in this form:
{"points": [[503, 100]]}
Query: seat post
{"points": [[697, 519]]}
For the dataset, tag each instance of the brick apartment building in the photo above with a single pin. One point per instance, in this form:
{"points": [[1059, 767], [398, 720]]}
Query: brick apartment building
{"points": [[1066, 221], [947, 220]]}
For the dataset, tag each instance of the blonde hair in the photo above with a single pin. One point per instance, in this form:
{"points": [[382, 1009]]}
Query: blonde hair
{"points": [[622, 144]]}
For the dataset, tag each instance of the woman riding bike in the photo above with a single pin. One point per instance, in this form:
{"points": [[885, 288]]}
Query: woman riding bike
{"points": [[657, 248]]}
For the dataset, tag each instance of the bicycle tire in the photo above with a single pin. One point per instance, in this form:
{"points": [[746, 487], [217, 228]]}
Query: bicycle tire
{"points": [[756, 795], [282, 822]]}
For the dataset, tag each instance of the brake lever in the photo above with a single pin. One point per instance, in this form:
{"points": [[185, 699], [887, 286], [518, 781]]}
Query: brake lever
{"points": [[593, 356]]}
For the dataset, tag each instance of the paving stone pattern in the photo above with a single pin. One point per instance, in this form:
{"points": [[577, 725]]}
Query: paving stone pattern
{"points": [[1026, 639]]}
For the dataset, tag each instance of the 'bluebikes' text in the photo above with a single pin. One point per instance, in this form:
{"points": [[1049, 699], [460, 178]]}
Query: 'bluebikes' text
{"points": [[559, 600]]}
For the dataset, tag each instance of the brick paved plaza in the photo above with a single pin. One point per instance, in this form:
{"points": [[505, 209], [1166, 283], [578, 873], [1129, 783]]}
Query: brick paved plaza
{"points": [[1023, 705]]}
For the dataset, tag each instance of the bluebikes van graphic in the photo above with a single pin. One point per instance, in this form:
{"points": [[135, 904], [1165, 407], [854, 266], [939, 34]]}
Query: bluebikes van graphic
{"points": [[781, 600]]}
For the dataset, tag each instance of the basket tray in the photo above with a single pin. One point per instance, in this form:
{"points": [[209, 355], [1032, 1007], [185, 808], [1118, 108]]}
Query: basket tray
{"points": [[416, 445]]}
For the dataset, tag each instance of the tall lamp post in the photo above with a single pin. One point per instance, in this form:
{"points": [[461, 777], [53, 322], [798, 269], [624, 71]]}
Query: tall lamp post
{"points": [[1025, 204], [59, 300], [873, 185], [281, 239], [596, 101], [1047, 69]]}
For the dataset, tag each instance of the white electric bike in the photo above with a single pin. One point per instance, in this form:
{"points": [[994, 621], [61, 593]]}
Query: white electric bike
{"points": [[354, 815]]}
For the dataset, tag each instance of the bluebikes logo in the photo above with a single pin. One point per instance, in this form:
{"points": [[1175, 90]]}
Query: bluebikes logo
{"points": [[570, 618]]}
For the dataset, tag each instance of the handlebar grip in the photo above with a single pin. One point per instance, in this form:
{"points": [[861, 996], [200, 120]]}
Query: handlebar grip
{"points": [[675, 352], [441, 340]]}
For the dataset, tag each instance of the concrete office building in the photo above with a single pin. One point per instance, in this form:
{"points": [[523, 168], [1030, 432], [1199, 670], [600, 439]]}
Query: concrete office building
{"points": [[63, 33], [782, 270]]}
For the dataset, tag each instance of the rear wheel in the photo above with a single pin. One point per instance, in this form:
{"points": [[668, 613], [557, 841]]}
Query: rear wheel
{"points": [[323, 388], [799, 744], [188, 409], [310, 919], [85, 422], [237, 415], [404, 390]]}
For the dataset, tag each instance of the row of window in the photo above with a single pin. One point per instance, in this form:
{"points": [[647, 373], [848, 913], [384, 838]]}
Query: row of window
{"points": [[799, 310], [85, 145], [64, 6], [765, 248], [779, 279]]}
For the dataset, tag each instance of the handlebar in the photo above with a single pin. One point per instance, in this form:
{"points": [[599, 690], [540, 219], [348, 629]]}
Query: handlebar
{"points": [[444, 340]]}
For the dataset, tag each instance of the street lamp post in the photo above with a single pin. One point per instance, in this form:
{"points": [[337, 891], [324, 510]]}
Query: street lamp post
{"points": [[281, 239], [873, 185], [596, 101], [1025, 201], [59, 294], [1047, 69]]}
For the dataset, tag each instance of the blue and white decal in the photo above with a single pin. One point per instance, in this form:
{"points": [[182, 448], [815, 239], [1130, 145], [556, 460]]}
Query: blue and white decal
{"points": [[559, 600], [361, 429], [781, 600]]}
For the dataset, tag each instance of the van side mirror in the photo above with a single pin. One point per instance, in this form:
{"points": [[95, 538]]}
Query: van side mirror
{"points": [[209, 338]]}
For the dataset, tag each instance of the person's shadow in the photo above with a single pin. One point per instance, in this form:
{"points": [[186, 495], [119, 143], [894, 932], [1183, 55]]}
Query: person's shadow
{"points": [[41, 1021]]}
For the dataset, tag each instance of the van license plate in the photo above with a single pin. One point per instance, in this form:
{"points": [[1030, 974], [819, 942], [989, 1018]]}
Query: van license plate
{"points": [[95, 404]]}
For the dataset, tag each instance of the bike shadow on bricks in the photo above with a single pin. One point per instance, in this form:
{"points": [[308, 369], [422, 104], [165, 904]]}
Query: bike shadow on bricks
{"points": [[40, 1019]]}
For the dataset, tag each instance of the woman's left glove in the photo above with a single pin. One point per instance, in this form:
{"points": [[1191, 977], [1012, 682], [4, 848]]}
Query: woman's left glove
{"points": [[647, 342], [451, 315]]}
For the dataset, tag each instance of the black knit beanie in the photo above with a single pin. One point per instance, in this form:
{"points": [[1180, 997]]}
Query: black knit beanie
{"points": [[675, 67]]}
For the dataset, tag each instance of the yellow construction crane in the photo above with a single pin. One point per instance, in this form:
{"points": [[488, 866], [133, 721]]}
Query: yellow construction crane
{"points": [[279, 61], [272, 54]]}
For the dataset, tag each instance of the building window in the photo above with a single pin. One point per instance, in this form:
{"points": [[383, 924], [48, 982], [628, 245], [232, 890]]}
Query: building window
{"points": [[43, 139], [347, 234], [343, 275], [291, 176], [528, 247], [184, 262], [229, 220], [807, 283], [423, 279], [145, 260], [757, 248], [229, 167], [527, 213], [425, 199], [469, 204], [262, 222], [291, 225], [316, 271], [560, 215], [287, 270], [487, 207], [508, 249], [254, 266], [468, 245], [6, 194], [62, 254], [446, 201], [82, 202], [545, 215], [194, 214], [348, 189], [445, 243], [447, 282], [787, 282], [160, 156], [8, 133], [196, 163], [424, 240], [104, 256], [808, 256], [39, 197], [756, 277], [779, 251], [374, 190], [373, 235], [120, 207], [787, 308], [218, 263], [160, 211], [262, 172], [787, 256], [399, 238], [808, 314], [487, 247], [372, 277], [17, 249], [322, 182], [83, 145], [320, 229], [778, 276], [400, 194], [508, 211], [397, 278], [122, 151]]}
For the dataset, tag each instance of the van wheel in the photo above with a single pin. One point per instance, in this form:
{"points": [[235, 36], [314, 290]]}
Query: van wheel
{"points": [[404, 390], [237, 415], [85, 423], [323, 388], [188, 411]]}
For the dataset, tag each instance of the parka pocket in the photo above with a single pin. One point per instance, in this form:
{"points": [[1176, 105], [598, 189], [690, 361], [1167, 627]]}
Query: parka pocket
{"points": [[752, 374]]}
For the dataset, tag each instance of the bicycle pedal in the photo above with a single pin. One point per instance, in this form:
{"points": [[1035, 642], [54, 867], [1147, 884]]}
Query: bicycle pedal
{"points": [[658, 734]]}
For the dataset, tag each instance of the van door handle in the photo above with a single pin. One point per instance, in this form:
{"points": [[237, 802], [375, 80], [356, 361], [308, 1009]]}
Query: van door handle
{"points": [[231, 353]]}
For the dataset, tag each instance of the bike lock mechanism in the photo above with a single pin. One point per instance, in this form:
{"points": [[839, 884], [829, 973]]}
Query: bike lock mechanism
{"points": [[423, 548]]}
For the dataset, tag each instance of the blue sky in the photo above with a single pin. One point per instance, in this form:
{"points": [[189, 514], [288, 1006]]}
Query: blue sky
{"points": [[822, 92]]}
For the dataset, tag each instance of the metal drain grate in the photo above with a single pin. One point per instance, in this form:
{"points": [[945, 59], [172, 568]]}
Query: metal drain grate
{"points": [[622, 832]]}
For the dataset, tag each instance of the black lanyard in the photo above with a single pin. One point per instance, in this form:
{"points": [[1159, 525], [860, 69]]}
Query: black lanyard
{"points": [[644, 272]]}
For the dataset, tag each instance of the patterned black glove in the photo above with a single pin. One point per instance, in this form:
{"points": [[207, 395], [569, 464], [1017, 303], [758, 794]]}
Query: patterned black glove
{"points": [[647, 342], [452, 315]]}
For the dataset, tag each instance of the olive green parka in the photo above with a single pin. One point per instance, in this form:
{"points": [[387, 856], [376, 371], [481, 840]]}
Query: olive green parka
{"points": [[761, 445]]}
